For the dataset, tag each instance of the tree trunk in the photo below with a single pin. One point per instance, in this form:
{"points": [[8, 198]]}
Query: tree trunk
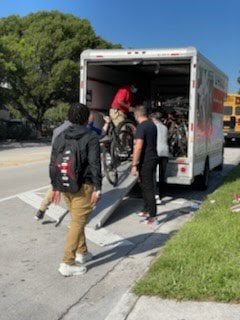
{"points": [[38, 125], [39, 120]]}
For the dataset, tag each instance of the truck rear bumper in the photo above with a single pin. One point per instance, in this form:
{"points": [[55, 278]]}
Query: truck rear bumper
{"points": [[179, 180], [178, 172]]}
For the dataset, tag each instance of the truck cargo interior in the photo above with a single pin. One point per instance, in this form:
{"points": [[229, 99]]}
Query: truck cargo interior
{"points": [[163, 85]]}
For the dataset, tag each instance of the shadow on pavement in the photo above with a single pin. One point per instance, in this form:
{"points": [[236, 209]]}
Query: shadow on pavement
{"points": [[157, 239], [139, 243], [189, 193]]}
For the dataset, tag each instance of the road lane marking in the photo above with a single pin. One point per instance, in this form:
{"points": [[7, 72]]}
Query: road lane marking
{"points": [[101, 237], [104, 238], [18, 194], [34, 200]]}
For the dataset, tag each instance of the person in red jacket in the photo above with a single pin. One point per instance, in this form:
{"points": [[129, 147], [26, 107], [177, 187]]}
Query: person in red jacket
{"points": [[122, 103]]}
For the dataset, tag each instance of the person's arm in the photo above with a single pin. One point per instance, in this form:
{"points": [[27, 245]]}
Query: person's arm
{"points": [[138, 145], [125, 105], [55, 133], [105, 128], [92, 127], [94, 160], [53, 160], [106, 125], [124, 96]]}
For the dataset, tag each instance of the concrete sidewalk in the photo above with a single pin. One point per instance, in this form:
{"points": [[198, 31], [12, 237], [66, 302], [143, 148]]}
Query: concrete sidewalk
{"points": [[153, 308], [132, 307], [18, 154]]}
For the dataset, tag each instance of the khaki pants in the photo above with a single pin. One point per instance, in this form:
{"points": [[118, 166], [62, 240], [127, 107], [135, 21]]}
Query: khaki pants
{"points": [[79, 206], [47, 200], [117, 116]]}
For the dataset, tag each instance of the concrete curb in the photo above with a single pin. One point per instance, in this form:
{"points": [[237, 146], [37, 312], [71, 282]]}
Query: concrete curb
{"points": [[124, 307]]}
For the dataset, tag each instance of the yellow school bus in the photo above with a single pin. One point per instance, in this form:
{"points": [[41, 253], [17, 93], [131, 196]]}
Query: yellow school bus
{"points": [[231, 119]]}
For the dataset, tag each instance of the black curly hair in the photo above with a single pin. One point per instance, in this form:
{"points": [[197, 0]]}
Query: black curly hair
{"points": [[78, 113]]}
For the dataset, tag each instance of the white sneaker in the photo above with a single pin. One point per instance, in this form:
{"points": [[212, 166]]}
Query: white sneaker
{"points": [[158, 200], [71, 270], [83, 258]]}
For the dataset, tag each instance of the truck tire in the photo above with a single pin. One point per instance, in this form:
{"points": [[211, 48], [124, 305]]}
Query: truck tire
{"points": [[203, 179], [227, 142], [220, 166]]}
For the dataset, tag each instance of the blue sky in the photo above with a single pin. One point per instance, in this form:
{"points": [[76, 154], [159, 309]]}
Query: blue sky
{"points": [[211, 25]]}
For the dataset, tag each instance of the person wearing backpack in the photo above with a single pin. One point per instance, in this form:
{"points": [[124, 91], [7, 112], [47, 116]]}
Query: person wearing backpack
{"points": [[47, 200], [75, 171]]}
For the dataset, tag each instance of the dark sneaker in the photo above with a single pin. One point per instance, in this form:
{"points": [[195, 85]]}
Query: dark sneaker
{"points": [[151, 221], [39, 215]]}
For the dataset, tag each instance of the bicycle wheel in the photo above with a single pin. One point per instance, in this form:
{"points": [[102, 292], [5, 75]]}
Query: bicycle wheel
{"points": [[109, 168], [126, 140], [127, 125], [122, 147]]}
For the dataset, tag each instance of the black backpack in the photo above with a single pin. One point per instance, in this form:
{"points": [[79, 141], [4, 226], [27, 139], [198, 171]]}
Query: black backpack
{"points": [[66, 169]]}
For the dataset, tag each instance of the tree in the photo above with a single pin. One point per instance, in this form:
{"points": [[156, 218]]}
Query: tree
{"points": [[57, 114], [6, 68], [44, 50]]}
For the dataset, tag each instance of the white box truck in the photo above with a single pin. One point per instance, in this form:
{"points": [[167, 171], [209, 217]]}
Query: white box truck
{"points": [[169, 73]]}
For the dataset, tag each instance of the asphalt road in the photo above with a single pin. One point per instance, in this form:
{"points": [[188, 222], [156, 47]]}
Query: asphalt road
{"points": [[31, 287]]}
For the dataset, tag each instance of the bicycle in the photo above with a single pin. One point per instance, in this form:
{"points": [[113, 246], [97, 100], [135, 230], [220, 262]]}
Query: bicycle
{"points": [[117, 147], [178, 136], [128, 124]]}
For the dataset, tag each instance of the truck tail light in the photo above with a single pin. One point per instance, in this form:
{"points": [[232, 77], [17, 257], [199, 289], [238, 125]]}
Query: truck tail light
{"points": [[183, 169]]}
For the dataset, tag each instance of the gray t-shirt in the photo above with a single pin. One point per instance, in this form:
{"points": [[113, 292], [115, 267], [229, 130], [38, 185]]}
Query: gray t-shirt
{"points": [[162, 140], [60, 129]]}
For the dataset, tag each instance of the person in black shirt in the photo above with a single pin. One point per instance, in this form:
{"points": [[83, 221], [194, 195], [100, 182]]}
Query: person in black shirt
{"points": [[145, 160]]}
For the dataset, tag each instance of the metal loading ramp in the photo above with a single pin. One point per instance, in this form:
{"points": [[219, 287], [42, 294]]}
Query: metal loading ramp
{"points": [[112, 196]]}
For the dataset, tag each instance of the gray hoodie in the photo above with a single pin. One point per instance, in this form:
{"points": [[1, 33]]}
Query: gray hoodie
{"points": [[162, 140], [60, 129]]}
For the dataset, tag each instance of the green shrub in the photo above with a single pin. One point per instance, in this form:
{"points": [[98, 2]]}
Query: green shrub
{"points": [[16, 131]]}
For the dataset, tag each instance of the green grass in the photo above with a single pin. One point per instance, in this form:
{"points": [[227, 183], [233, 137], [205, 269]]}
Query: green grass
{"points": [[202, 261]]}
